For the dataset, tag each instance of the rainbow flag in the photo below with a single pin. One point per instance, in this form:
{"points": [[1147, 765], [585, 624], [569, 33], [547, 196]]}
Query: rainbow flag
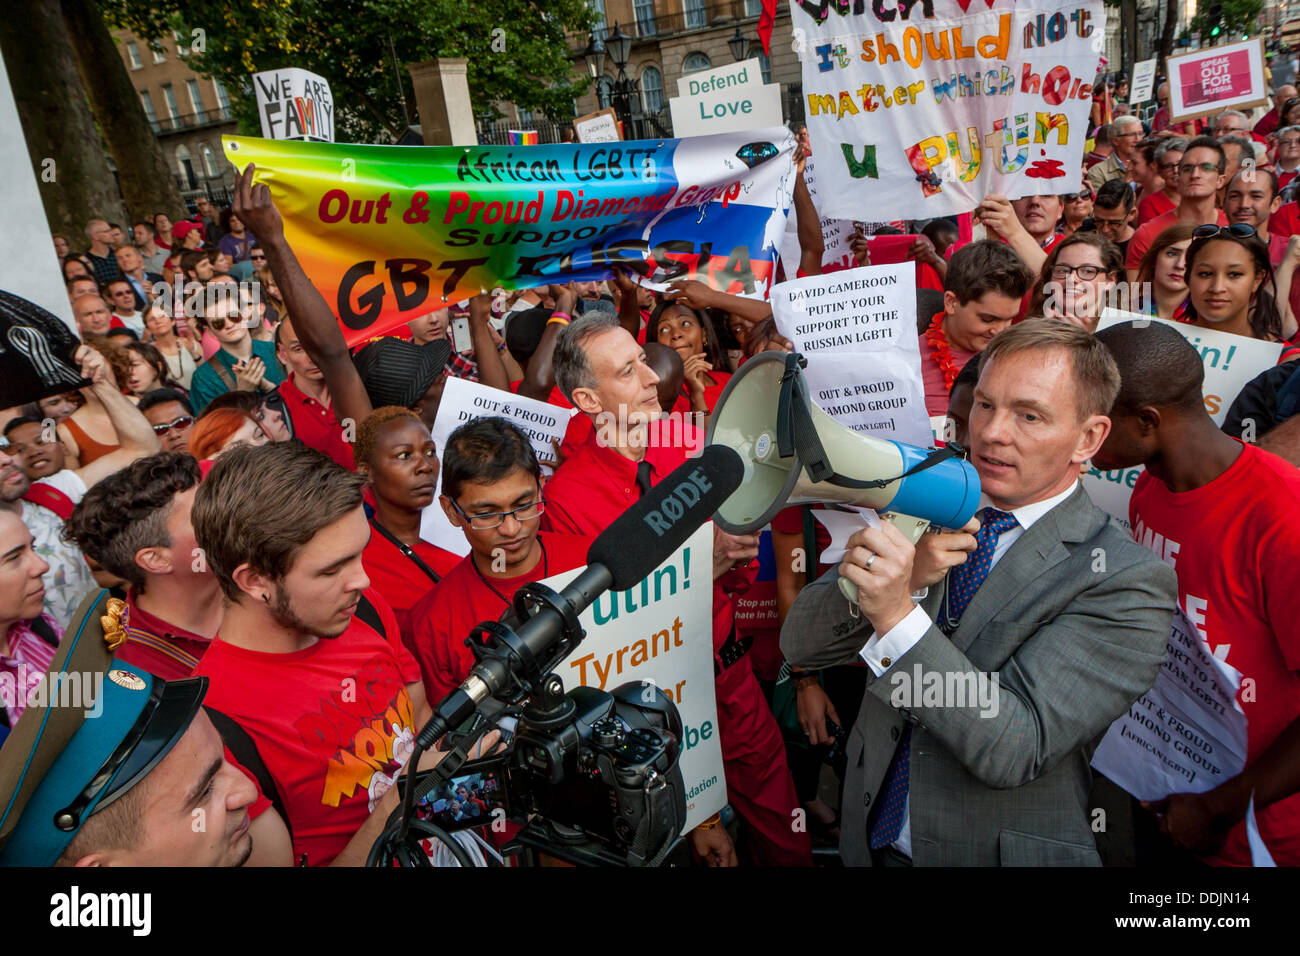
{"points": [[523, 137], [386, 233]]}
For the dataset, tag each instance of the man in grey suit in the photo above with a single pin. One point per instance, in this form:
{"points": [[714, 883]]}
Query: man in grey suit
{"points": [[1042, 623]]}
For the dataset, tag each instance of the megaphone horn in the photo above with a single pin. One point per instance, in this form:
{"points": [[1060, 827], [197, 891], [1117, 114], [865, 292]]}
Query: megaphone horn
{"points": [[794, 453]]}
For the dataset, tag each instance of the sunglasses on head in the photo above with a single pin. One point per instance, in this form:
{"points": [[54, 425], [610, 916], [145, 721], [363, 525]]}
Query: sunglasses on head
{"points": [[1240, 230], [180, 424]]}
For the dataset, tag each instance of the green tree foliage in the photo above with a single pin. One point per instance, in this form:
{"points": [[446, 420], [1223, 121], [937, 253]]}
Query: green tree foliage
{"points": [[1238, 17], [516, 50]]}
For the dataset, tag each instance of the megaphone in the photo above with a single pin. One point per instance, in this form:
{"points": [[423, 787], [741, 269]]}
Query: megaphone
{"points": [[794, 453]]}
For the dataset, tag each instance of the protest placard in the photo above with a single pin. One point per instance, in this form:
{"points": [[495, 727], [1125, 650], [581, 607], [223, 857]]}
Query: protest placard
{"points": [[730, 99], [1209, 81], [924, 109], [837, 234], [1185, 735], [598, 127], [294, 104], [428, 226], [1230, 360], [661, 633], [463, 400], [1144, 78], [857, 329]]}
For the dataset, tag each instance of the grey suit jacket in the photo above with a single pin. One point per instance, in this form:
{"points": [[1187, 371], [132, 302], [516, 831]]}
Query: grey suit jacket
{"points": [[1073, 622]]}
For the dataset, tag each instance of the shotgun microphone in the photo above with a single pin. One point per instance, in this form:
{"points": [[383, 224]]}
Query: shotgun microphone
{"points": [[511, 662]]}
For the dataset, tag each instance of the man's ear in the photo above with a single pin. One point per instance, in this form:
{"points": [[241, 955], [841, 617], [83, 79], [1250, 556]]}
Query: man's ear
{"points": [[255, 585], [585, 400], [155, 560], [450, 511], [949, 301], [1091, 437]]}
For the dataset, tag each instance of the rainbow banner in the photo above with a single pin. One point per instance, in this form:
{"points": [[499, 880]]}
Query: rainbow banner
{"points": [[523, 137], [388, 233]]}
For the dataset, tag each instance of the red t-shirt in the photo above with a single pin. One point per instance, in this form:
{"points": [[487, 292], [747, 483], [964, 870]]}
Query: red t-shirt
{"points": [[1234, 546], [333, 724], [1147, 233], [713, 392], [399, 580], [1286, 221], [315, 425], [444, 617], [1154, 206]]}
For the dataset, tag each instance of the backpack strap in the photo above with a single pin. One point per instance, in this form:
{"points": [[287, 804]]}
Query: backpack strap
{"points": [[370, 615], [240, 744], [222, 373], [47, 496]]}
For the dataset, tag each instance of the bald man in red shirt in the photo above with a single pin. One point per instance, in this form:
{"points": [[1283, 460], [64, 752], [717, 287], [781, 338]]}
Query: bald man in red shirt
{"points": [[603, 371]]}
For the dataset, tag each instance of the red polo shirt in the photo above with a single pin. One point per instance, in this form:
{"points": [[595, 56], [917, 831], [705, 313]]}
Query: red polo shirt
{"points": [[444, 617], [315, 425], [399, 580], [158, 647]]}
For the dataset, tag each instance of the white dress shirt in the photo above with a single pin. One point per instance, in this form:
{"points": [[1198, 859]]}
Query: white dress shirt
{"points": [[882, 651]]}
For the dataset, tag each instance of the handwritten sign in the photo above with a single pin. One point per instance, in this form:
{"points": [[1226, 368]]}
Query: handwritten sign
{"points": [[1185, 735], [598, 127], [294, 104], [924, 109], [857, 329], [463, 401]]}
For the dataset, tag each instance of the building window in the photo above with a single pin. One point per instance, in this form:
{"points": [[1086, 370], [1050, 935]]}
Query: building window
{"points": [[147, 102], [766, 64], [169, 98], [696, 15], [525, 117], [223, 98], [209, 161], [652, 88], [186, 166], [598, 25], [604, 92], [753, 7], [158, 55], [133, 54], [645, 17], [196, 98], [695, 62], [181, 48]]}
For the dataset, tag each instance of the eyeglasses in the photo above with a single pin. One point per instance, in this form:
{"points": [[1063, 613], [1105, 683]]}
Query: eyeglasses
{"points": [[1108, 223], [495, 519], [1186, 168], [1169, 167], [1075, 197], [1086, 273], [180, 424], [219, 322], [1239, 229]]}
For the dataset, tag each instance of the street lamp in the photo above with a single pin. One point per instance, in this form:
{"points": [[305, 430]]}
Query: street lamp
{"points": [[595, 56], [738, 44], [627, 93]]}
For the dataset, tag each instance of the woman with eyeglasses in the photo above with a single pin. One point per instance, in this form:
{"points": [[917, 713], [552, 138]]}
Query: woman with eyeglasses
{"points": [[175, 342], [1230, 283], [1166, 156], [1077, 278], [395, 454], [1161, 278]]}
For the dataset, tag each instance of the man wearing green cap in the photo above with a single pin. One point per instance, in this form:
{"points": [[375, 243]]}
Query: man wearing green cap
{"points": [[144, 783]]}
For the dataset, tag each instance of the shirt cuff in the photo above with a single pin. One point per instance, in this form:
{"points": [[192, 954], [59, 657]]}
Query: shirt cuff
{"points": [[882, 651]]}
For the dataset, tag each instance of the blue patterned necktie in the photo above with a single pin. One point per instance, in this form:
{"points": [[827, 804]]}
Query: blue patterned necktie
{"points": [[962, 585], [966, 578]]}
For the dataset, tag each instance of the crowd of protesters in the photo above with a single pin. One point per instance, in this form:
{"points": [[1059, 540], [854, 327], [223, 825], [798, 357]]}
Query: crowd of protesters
{"points": [[253, 489]]}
